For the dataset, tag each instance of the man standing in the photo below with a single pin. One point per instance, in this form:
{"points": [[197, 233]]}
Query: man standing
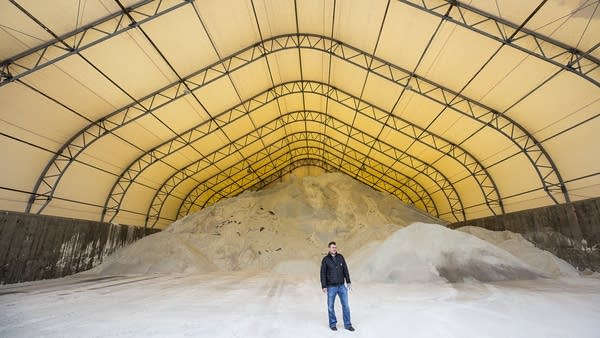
{"points": [[333, 273]]}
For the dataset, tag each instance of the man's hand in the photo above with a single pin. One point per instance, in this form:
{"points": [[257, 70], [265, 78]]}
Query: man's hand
{"points": [[324, 290], [349, 287]]}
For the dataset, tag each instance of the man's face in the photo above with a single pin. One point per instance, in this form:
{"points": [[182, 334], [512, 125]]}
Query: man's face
{"points": [[332, 249]]}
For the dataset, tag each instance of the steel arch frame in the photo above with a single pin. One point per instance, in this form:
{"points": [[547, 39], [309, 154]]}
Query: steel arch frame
{"points": [[324, 153], [333, 154], [297, 154], [275, 125], [79, 40], [217, 195], [581, 63], [471, 165], [302, 150], [288, 168], [393, 178], [429, 172], [536, 154], [460, 14]]}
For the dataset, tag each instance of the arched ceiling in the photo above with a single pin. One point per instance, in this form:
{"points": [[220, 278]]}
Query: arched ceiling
{"points": [[140, 112]]}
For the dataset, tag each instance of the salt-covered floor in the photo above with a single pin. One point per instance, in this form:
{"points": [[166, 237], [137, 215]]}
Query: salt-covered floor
{"points": [[261, 305]]}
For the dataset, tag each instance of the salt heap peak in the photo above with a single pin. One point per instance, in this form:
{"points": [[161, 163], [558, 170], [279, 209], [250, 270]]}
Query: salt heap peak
{"points": [[286, 227], [262, 230]]}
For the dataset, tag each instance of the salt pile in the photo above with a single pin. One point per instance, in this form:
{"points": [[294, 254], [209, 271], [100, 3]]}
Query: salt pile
{"points": [[524, 250], [263, 230], [428, 253], [285, 229]]}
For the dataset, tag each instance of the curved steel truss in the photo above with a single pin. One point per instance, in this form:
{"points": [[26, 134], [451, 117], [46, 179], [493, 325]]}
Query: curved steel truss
{"points": [[353, 169], [336, 128], [534, 151], [374, 113], [83, 38], [569, 58], [263, 176], [394, 181], [288, 169], [303, 144], [283, 169], [298, 149]]}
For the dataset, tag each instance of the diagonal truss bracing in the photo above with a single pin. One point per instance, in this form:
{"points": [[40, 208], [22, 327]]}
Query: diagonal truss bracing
{"points": [[340, 129], [200, 198], [545, 48], [566, 57], [331, 151], [300, 148], [327, 153], [320, 146], [400, 125], [534, 151], [394, 181], [289, 168], [83, 38], [367, 110]]}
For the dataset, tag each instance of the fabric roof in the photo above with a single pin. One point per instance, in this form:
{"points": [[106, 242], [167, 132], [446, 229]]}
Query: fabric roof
{"points": [[139, 112]]}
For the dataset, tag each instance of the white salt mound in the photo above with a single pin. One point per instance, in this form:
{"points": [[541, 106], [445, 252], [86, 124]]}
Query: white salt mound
{"points": [[429, 252], [160, 253], [525, 250], [285, 230], [257, 231]]}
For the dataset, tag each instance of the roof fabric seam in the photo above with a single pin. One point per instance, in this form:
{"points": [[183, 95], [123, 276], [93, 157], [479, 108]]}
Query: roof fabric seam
{"points": [[400, 124], [262, 41], [16, 66], [194, 194], [210, 39], [429, 172], [181, 80], [340, 49], [279, 122], [538, 157]]}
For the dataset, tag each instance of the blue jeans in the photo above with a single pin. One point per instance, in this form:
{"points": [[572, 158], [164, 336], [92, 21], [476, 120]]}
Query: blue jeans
{"points": [[342, 291]]}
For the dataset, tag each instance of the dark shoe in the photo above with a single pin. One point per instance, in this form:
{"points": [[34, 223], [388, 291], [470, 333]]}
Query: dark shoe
{"points": [[350, 328], [333, 328]]}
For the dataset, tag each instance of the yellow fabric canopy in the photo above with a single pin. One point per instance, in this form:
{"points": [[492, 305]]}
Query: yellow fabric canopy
{"points": [[140, 112]]}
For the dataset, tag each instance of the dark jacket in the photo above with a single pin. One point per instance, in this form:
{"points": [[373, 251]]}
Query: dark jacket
{"points": [[334, 271]]}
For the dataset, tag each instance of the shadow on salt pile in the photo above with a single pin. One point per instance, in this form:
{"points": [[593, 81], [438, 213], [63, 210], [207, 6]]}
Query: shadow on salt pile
{"points": [[424, 252], [285, 230]]}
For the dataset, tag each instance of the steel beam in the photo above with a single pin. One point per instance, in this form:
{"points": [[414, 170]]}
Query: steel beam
{"points": [[394, 181], [83, 38], [299, 153], [301, 150], [539, 158], [247, 141], [288, 169], [328, 153], [336, 147], [383, 149], [476, 170], [349, 165], [569, 58]]}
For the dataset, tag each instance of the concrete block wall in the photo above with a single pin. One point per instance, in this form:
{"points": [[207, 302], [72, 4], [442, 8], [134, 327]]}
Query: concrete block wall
{"points": [[36, 247], [570, 231]]}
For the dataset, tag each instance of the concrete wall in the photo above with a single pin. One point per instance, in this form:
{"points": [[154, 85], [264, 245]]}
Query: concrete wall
{"points": [[36, 247], [571, 232]]}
